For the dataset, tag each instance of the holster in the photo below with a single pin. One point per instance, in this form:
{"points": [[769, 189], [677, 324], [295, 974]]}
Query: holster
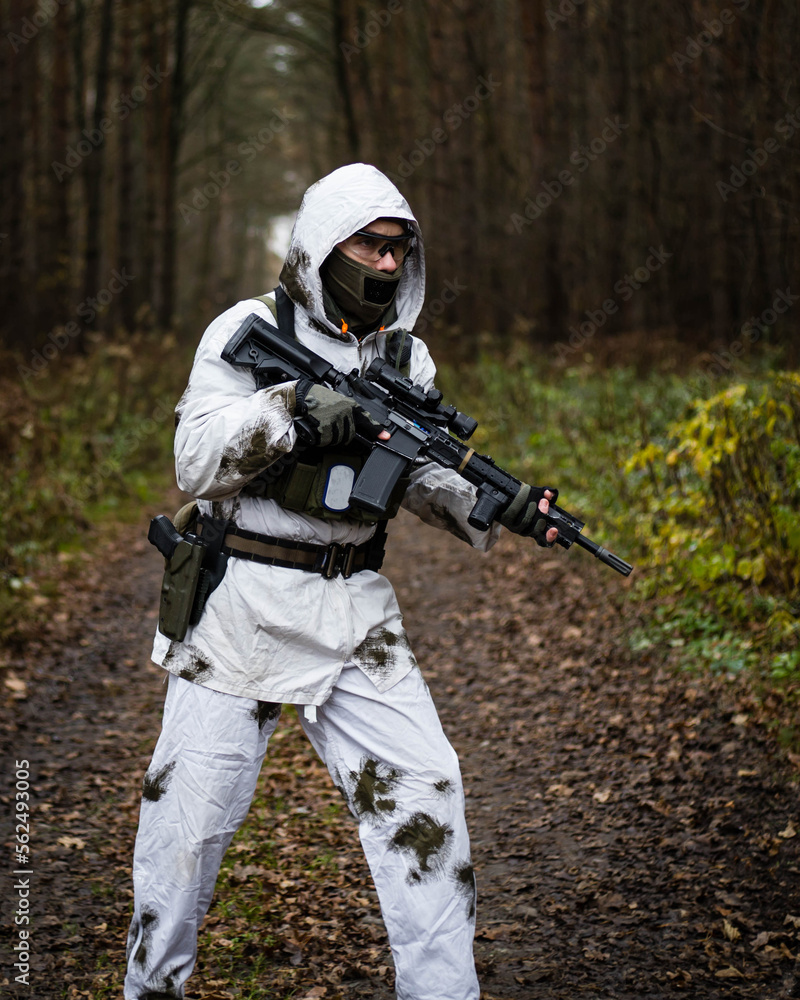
{"points": [[191, 573], [179, 589]]}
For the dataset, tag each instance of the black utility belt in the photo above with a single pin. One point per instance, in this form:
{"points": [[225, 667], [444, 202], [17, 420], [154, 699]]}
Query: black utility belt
{"points": [[336, 559], [195, 562]]}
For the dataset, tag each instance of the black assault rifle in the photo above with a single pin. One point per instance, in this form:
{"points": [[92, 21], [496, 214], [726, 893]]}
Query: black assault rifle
{"points": [[416, 420]]}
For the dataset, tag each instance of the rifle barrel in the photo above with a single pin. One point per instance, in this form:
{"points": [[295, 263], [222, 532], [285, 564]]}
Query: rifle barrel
{"points": [[605, 556]]}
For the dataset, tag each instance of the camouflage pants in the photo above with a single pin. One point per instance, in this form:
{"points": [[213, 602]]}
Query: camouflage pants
{"points": [[388, 754]]}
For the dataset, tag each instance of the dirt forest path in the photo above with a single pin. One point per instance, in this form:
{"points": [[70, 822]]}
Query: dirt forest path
{"points": [[635, 835]]}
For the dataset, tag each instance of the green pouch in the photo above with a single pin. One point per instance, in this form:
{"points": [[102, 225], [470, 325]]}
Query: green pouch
{"points": [[321, 490]]}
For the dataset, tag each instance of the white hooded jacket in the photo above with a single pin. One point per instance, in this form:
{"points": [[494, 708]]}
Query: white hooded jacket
{"points": [[272, 633]]}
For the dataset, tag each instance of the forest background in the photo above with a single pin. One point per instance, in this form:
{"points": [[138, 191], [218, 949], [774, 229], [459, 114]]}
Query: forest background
{"points": [[609, 193]]}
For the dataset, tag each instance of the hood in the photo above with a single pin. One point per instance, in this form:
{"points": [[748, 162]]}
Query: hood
{"points": [[333, 209]]}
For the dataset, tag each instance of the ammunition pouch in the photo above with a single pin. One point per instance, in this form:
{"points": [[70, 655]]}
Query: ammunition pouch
{"points": [[319, 485]]}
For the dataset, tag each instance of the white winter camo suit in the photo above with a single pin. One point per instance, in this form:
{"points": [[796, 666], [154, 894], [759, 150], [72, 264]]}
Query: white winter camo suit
{"points": [[334, 648]]}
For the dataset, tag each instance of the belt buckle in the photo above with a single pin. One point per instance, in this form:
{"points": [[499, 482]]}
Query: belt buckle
{"points": [[330, 566], [339, 559], [348, 558]]}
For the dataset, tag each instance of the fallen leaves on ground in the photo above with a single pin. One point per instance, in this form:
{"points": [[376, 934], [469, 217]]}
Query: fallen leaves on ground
{"points": [[634, 830]]}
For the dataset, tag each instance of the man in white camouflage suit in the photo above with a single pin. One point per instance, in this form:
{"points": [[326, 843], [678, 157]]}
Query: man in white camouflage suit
{"points": [[276, 630]]}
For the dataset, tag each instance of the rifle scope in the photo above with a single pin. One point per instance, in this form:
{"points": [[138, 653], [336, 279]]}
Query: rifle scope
{"points": [[398, 385]]}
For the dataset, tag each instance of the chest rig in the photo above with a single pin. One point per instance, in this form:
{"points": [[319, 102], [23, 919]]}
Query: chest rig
{"points": [[317, 481]]}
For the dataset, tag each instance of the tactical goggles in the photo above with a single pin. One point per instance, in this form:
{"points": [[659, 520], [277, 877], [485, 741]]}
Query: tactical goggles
{"points": [[372, 247]]}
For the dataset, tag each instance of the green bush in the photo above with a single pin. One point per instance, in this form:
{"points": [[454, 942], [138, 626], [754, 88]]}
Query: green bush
{"points": [[717, 509], [90, 437], [721, 492], [574, 431], [700, 494]]}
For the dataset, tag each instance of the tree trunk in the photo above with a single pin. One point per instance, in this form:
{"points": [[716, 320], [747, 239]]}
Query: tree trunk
{"points": [[150, 289], [92, 168], [11, 159], [56, 261], [169, 167], [343, 56], [125, 205], [542, 238]]}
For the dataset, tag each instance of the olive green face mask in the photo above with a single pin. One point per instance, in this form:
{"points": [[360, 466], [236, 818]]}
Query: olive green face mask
{"points": [[360, 295]]}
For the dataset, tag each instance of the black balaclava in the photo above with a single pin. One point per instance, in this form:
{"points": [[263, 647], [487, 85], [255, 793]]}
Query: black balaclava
{"points": [[357, 293]]}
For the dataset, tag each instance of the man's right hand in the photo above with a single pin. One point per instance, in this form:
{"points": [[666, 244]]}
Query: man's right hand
{"points": [[328, 412]]}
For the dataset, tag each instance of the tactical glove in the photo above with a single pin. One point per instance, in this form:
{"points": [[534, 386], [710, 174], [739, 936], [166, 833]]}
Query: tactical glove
{"points": [[523, 517], [329, 413], [366, 425]]}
